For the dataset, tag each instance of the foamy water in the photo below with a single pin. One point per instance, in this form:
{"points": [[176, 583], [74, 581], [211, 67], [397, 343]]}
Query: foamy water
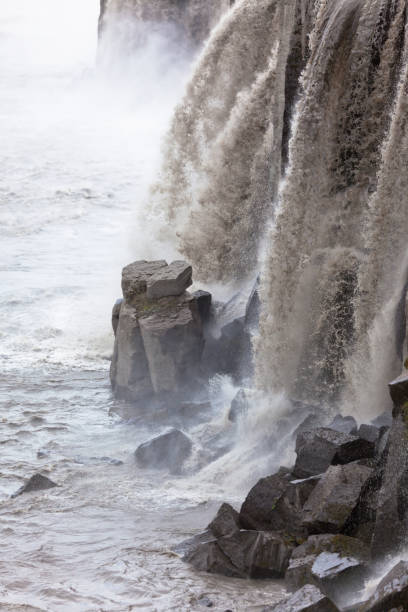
{"points": [[79, 148]]}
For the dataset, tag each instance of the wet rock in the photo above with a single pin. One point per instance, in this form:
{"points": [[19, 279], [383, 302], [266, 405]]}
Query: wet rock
{"points": [[192, 411], [399, 390], [253, 307], [392, 592], [245, 554], [239, 406], [308, 599], [226, 522], [169, 280], [369, 433], [343, 424], [37, 482], [391, 526], [276, 504], [115, 314], [336, 564], [206, 602], [230, 352], [317, 449], [334, 498], [165, 452], [203, 300], [383, 420]]}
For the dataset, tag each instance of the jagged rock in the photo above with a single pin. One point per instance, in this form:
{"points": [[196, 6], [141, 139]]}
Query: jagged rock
{"points": [[391, 527], [169, 280], [331, 562], [173, 343], [115, 314], [129, 372], [165, 452], [334, 498], [135, 276], [37, 482], [239, 406], [343, 424], [308, 599], [275, 504], [203, 300], [315, 418], [245, 554], [226, 522], [319, 448], [392, 592]]}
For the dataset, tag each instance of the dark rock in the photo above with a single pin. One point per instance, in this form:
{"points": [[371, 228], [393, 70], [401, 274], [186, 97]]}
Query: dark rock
{"points": [[239, 406], [226, 522], [392, 592], [369, 433], [343, 424], [319, 448], [115, 314], [203, 300], [391, 527], [334, 563], [314, 420], [308, 599], [383, 420], [37, 482], [253, 307], [275, 504], [399, 390], [334, 498], [167, 451], [230, 352], [253, 554], [169, 280]]}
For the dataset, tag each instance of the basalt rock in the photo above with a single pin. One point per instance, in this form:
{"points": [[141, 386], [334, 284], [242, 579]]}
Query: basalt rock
{"points": [[336, 564], [319, 448], [308, 599], [392, 592], [226, 522], [165, 452], [37, 482], [334, 498], [276, 503], [169, 280]]}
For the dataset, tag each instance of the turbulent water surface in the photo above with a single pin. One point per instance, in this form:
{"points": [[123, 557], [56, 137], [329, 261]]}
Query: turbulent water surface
{"points": [[79, 147]]}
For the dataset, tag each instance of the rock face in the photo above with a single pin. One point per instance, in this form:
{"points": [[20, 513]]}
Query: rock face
{"points": [[392, 592], [276, 504], [336, 564], [159, 331], [165, 452], [334, 498], [307, 599], [319, 448], [391, 527]]}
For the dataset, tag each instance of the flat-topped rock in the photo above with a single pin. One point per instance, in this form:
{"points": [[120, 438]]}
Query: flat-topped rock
{"points": [[169, 280], [136, 275]]}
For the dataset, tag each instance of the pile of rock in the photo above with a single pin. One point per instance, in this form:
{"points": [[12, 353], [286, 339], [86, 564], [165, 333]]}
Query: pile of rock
{"points": [[168, 342], [321, 524]]}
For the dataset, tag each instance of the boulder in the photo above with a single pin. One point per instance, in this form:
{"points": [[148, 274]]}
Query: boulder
{"points": [[346, 424], [167, 451], [37, 482], [308, 599], [369, 433], [244, 554], [239, 406], [399, 391], [334, 498], [392, 592], [275, 504], [169, 280], [135, 276], [383, 420], [334, 563], [226, 522], [319, 448]]}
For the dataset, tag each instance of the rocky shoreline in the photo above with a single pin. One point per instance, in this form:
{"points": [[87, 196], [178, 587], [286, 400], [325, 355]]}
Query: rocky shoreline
{"points": [[327, 523]]}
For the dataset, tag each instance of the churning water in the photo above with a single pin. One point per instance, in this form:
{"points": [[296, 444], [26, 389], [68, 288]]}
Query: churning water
{"points": [[79, 145]]}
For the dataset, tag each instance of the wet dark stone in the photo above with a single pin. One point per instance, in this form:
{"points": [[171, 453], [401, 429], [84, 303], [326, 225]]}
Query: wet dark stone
{"points": [[308, 599], [38, 482], [166, 452], [392, 592]]}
